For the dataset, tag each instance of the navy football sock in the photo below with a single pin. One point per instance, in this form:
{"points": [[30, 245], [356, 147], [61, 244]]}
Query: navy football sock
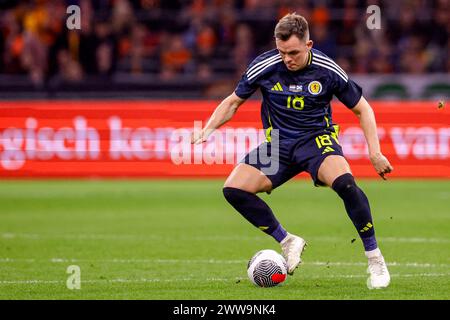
{"points": [[358, 209], [256, 211]]}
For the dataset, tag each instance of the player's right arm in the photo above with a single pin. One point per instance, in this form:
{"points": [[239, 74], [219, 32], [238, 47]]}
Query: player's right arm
{"points": [[221, 115]]}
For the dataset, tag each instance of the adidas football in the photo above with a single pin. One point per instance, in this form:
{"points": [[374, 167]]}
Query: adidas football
{"points": [[267, 268]]}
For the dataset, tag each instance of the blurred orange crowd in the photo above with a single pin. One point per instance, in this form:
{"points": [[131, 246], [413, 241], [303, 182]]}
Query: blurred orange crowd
{"points": [[172, 38]]}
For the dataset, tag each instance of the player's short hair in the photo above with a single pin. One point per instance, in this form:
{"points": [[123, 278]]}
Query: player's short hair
{"points": [[292, 24]]}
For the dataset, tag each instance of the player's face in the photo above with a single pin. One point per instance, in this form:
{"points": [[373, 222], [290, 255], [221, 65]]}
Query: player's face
{"points": [[294, 52]]}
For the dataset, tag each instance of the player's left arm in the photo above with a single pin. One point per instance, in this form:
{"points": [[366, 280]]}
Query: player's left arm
{"points": [[369, 126]]}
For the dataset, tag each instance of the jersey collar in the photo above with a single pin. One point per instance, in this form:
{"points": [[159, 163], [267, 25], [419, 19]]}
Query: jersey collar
{"points": [[309, 58]]}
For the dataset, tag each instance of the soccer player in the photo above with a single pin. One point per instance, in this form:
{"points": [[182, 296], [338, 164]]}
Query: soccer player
{"points": [[297, 83]]}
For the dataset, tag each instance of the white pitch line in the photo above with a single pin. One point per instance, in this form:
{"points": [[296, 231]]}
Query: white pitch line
{"points": [[120, 280], [392, 264], [30, 281], [143, 280], [395, 275], [36, 236], [213, 261]]}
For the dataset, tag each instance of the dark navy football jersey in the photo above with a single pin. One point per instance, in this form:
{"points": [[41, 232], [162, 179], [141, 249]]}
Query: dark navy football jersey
{"points": [[297, 102]]}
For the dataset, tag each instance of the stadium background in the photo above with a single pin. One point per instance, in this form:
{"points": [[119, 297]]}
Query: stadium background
{"points": [[105, 101]]}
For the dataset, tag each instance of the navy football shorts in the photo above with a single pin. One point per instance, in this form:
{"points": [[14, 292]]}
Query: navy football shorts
{"points": [[295, 156]]}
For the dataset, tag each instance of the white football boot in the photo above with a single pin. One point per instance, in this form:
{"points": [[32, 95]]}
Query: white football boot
{"points": [[379, 274], [292, 247]]}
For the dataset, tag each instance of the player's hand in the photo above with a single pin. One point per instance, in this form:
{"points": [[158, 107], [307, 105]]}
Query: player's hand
{"points": [[381, 165], [199, 136]]}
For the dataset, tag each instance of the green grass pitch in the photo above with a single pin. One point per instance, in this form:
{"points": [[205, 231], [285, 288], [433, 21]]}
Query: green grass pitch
{"points": [[148, 239]]}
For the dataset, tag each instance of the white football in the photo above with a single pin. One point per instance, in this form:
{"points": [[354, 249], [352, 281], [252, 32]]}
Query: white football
{"points": [[267, 268]]}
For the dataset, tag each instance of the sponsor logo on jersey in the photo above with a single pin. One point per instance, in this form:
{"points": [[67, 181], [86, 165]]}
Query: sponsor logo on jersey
{"points": [[315, 87], [327, 149], [295, 87], [277, 87]]}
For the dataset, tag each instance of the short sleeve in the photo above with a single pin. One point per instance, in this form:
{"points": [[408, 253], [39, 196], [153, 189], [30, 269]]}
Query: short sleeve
{"points": [[245, 88], [348, 92]]}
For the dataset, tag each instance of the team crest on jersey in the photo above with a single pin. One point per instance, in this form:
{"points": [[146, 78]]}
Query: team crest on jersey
{"points": [[295, 87], [315, 87]]}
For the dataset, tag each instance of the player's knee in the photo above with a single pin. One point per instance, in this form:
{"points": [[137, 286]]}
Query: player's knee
{"points": [[344, 184], [253, 188]]}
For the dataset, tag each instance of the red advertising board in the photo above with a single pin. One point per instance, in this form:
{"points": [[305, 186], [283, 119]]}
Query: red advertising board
{"points": [[151, 139]]}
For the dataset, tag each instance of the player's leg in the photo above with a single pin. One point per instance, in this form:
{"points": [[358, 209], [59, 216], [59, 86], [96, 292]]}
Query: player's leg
{"points": [[335, 172], [240, 190]]}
